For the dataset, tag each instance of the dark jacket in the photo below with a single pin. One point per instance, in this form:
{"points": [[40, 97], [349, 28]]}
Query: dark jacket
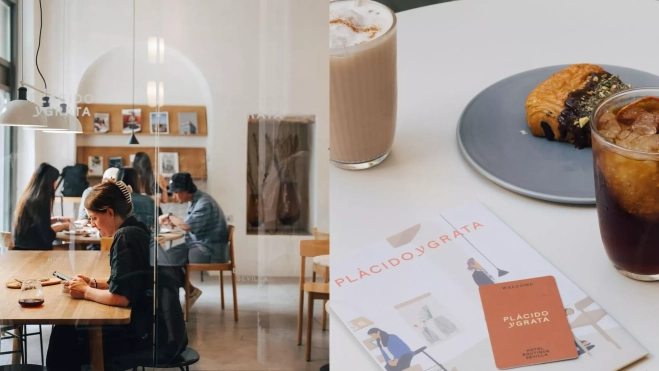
{"points": [[132, 277]]}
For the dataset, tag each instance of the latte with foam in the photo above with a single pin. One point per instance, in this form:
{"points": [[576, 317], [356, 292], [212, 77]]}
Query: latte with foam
{"points": [[363, 85]]}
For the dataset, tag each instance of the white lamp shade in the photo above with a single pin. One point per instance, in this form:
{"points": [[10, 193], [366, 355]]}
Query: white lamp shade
{"points": [[23, 113], [55, 120], [75, 127], [73, 124]]}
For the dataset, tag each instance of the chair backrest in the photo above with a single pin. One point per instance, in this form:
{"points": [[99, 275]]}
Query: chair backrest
{"points": [[320, 235], [6, 240], [232, 252], [106, 243], [311, 248]]}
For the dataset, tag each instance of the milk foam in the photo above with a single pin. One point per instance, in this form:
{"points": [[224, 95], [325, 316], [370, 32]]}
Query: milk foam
{"points": [[352, 25]]}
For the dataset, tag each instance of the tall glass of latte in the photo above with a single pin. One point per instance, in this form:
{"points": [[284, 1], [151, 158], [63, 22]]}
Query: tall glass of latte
{"points": [[363, 90]]}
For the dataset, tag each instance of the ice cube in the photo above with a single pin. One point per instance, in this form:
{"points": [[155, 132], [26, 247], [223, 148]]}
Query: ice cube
{"points": [[646, 143], [646, 123], [609, 135], [627, 142], [608, 122], [623, 134]]}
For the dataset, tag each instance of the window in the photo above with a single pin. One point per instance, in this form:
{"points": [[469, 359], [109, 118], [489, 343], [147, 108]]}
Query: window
{"points": [[5, 31], [7, 74]]}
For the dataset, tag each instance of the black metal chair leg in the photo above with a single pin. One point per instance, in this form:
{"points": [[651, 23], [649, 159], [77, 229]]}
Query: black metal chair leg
{"points": [[25, 344], [202, 275], [41, 343]]}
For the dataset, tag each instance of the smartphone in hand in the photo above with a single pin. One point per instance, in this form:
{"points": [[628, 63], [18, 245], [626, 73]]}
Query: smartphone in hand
{"points": [[62, 277]]}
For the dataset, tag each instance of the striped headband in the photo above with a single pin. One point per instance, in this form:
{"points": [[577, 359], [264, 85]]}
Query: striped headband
{"points": [[126, 190]]}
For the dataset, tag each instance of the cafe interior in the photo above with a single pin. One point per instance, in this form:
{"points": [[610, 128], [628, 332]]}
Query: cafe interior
{"points": [[164, 185]]}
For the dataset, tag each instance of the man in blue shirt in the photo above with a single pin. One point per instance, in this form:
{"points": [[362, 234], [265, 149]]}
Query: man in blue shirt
{"points": [[206, 229]]}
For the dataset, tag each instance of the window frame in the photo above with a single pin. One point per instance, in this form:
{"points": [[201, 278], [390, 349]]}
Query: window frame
{"points": [[10, 137]]}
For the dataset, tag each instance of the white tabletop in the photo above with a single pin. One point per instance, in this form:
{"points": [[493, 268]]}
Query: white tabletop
{"points": [[447, 53]]}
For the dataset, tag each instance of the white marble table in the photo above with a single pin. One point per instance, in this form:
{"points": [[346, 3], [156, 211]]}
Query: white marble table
{"points": [[447, 53]]}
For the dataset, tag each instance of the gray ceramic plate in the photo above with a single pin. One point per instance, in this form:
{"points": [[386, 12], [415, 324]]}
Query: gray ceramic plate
{"points": [[494, 138]]}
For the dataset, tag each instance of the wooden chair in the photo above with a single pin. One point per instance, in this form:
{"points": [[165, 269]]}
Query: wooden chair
{"points": [[308, 249], [222, 267], [106, 243], [320, 235], [321, 270], [314, 291]]}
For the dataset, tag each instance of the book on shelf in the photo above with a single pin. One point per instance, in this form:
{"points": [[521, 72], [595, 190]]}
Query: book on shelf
{"points": [[412, 299]]}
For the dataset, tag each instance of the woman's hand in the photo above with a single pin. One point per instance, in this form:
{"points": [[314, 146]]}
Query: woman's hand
{"points": [[78, 288], [164, 220], [393, 362], [84, 278]]}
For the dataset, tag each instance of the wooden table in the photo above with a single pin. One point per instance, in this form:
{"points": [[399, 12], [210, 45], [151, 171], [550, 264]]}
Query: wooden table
{"points": [[59, 308]]}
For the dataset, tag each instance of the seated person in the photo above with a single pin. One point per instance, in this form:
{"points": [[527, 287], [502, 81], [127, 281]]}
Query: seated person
{"points": [[130, 283], [109, 174], [205, 227], [34, 228], [144, 208]]}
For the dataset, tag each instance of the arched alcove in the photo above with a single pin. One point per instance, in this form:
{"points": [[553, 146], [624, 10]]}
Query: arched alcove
{"points": [[109, 78]]}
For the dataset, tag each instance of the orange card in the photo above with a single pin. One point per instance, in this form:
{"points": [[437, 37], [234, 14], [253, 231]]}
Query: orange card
{"points": [[527, 322]]}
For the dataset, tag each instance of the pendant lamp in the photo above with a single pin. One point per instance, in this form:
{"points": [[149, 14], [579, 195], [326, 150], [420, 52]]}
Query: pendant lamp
{"points": [[55, 121], [22, 112], [73, 125]]}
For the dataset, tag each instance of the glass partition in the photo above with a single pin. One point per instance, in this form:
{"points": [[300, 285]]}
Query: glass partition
{"points": [[186, 112]]}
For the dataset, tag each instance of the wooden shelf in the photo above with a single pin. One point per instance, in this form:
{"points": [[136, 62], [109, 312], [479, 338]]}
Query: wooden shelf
{"points": [[190, 160], [116, 118]]}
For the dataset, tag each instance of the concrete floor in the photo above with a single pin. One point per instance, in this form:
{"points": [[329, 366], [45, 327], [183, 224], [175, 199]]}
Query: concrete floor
{"points": [[264, 338]]}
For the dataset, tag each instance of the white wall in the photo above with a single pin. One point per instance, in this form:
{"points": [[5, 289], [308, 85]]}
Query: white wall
{"points": [[255, 56]]}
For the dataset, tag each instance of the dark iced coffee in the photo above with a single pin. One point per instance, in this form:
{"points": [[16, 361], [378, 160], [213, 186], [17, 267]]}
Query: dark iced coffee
{"points": [[626, 157]]}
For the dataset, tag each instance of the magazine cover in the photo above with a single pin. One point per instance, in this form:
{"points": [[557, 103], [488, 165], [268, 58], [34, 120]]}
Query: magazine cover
{"points": [[412, 299]]}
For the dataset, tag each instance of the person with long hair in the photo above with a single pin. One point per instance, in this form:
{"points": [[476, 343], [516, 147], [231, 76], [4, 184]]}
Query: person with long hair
{"points": [[34, 226], [399, 355], [144, 208], [131, 283], [149, 186]]}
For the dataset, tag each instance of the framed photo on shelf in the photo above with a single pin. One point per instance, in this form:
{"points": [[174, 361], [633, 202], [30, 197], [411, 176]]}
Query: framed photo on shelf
{"points": [[95, 164], [168, 163], [116, 161], [187, 123], [101, 122], [159, 122], [132, 119]]}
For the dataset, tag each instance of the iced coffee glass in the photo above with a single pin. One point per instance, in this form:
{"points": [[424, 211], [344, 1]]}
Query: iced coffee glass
{"points": [[626, 159], [363, 87]]}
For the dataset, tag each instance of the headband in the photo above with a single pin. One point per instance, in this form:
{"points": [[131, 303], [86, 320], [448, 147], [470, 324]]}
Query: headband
{"points": [[126, 190]]}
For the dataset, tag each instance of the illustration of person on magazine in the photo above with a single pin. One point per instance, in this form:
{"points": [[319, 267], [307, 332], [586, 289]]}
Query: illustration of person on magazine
{"points": [[480, 275], [398, 355]]}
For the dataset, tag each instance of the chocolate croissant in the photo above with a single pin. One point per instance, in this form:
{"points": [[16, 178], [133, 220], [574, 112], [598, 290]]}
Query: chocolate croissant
{"points": [[560, 107]]}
